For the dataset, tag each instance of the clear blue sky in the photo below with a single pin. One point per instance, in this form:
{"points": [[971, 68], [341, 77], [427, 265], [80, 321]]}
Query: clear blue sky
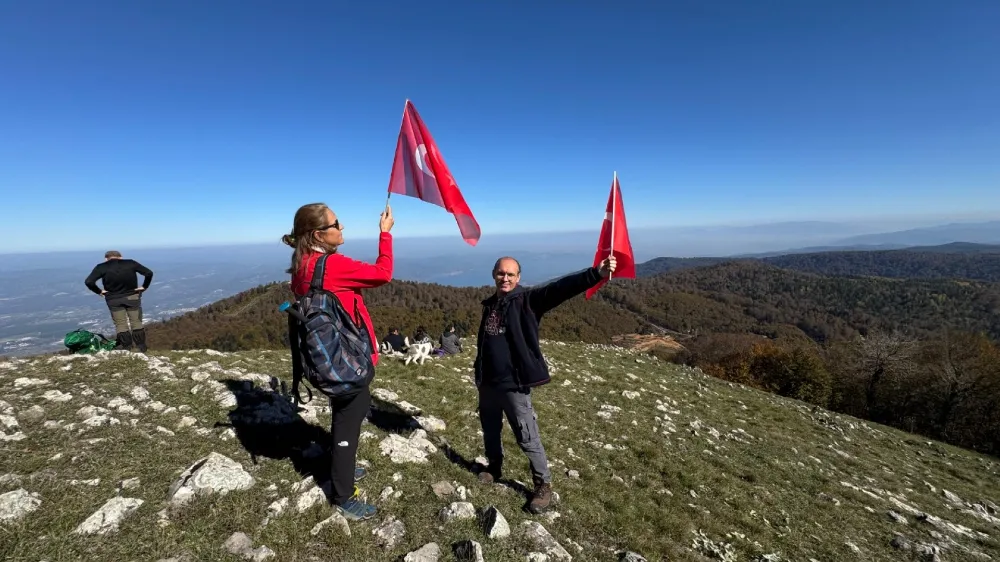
{"points": [[143, 123]]}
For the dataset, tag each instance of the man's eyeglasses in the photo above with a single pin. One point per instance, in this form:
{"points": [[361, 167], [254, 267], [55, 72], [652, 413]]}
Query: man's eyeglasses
{"points": [[336, 224]]}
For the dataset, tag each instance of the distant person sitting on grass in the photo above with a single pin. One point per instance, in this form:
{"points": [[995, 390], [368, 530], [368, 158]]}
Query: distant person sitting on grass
{"points": [[420, 336], [509, 363], [395, 340], [450, 342], [317, 233], [122, 294]]}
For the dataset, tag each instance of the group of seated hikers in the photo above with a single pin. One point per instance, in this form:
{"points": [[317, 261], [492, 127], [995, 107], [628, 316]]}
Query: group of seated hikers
{"points": [[448, 344]]}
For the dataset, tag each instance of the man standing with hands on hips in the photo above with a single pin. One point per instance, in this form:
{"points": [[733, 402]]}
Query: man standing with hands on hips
{"points": [[509, 363], [123, 295]]}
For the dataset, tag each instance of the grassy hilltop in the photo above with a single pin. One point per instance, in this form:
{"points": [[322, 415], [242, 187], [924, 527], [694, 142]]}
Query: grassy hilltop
{"points": [[681, 466]]}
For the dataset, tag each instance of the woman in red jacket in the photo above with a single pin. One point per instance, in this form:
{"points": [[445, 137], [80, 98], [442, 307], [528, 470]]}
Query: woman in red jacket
{"points": [[317, 231]]}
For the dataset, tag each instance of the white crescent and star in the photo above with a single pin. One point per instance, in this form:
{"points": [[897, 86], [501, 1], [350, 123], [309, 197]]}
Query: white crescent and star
{"points": [[420, 154]]}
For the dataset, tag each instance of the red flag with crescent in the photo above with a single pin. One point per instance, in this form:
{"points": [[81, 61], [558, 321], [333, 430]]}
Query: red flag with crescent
{"points": [[614, 238], [419, 170]]}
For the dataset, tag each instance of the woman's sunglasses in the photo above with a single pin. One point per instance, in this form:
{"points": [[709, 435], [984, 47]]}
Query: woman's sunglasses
{"points": [[336, 224]]}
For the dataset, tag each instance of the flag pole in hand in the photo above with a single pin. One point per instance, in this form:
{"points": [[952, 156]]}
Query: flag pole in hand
{"points": [[614, 238], [614, 202], [419, 171], [401, 121]]}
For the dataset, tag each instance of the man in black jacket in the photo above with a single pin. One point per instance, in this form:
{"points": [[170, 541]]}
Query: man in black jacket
{"points": [[509, 363], [122, 294]]}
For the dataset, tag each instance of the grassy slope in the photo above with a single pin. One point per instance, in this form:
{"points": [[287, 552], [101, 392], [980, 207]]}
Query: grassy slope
{"points": [[764, 484]]}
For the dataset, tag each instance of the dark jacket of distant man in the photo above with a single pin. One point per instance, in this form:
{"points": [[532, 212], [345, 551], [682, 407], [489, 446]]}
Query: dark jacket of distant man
{"points": [[122, 294]]}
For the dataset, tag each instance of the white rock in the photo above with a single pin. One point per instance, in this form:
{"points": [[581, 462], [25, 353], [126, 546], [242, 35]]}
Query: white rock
{"points": [[536, 557], [25, 382], [9, 422], [186, 421], [430, 552], [15, 505], [57, 396], [214, 474], [140, 394], [107, 519], [458, 510], [389, 533], [432, 424], [314, 496], [101, 420], [337, 520], [402, 450], [495, 524], [630, 394], [469, 551], [541, 539]]}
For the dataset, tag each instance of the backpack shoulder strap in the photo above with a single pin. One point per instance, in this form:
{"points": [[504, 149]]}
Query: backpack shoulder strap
{"points": [[318, 272]]}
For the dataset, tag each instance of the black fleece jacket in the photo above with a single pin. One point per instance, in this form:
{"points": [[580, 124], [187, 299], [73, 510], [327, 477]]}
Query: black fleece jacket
{"points": [[522, 310], [118, 277]]}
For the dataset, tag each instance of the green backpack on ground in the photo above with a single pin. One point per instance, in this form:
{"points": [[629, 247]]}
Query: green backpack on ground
{"points": [[82, 341]]}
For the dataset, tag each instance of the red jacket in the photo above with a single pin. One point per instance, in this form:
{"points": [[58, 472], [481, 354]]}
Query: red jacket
{"points": [[345, 277]]}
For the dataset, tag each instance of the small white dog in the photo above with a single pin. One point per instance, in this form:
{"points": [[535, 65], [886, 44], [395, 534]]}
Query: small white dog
{"points": [[418, 352]]}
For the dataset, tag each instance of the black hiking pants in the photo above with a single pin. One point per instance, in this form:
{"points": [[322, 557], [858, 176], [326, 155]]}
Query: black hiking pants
{"points": [[348, 414]]}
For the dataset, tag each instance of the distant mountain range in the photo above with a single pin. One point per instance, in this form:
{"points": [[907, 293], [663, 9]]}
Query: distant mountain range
{"points": [[960, 260]]}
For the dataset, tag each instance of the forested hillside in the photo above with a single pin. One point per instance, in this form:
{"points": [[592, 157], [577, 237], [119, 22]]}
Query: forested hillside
{"points": [[977, 262], [251, 320]]}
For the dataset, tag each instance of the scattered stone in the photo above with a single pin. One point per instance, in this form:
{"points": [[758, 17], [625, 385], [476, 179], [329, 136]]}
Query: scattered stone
{"points": [[314, 496], [128, 484], [541, 539], [15, 505], [537, 557], [186, 421], [629, 556], [573, 474], [630, 394], [897, 517], [107, 519], [494, 523], [443, 489], [432, 424], [214, 474], [458, 510], [899, 542], [140, 394], [389, 533], [337, 520], [402, 450], [430, 552], [468, 551], [25, 382], [57, 396], [241, 545], [33, 414]]}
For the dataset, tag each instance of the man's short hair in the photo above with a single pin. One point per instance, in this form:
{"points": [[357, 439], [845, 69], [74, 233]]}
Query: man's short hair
{"points": [[496, 265], [112, 254]]}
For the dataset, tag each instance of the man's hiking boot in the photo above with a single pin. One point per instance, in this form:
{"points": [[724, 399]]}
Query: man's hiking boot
{"points": [[360, 473], [139, 337], [541, 498], [356, 510], [123, 340]]}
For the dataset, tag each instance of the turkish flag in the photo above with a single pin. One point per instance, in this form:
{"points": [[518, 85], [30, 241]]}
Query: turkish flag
{"points": [[418, 170], [614, 235]]}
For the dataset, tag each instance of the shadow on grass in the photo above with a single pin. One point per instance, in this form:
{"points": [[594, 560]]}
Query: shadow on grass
{"points": [[267, 424]]}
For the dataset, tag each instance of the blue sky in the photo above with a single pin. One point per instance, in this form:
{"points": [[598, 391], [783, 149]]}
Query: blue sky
{"points": [[141, 123]]}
